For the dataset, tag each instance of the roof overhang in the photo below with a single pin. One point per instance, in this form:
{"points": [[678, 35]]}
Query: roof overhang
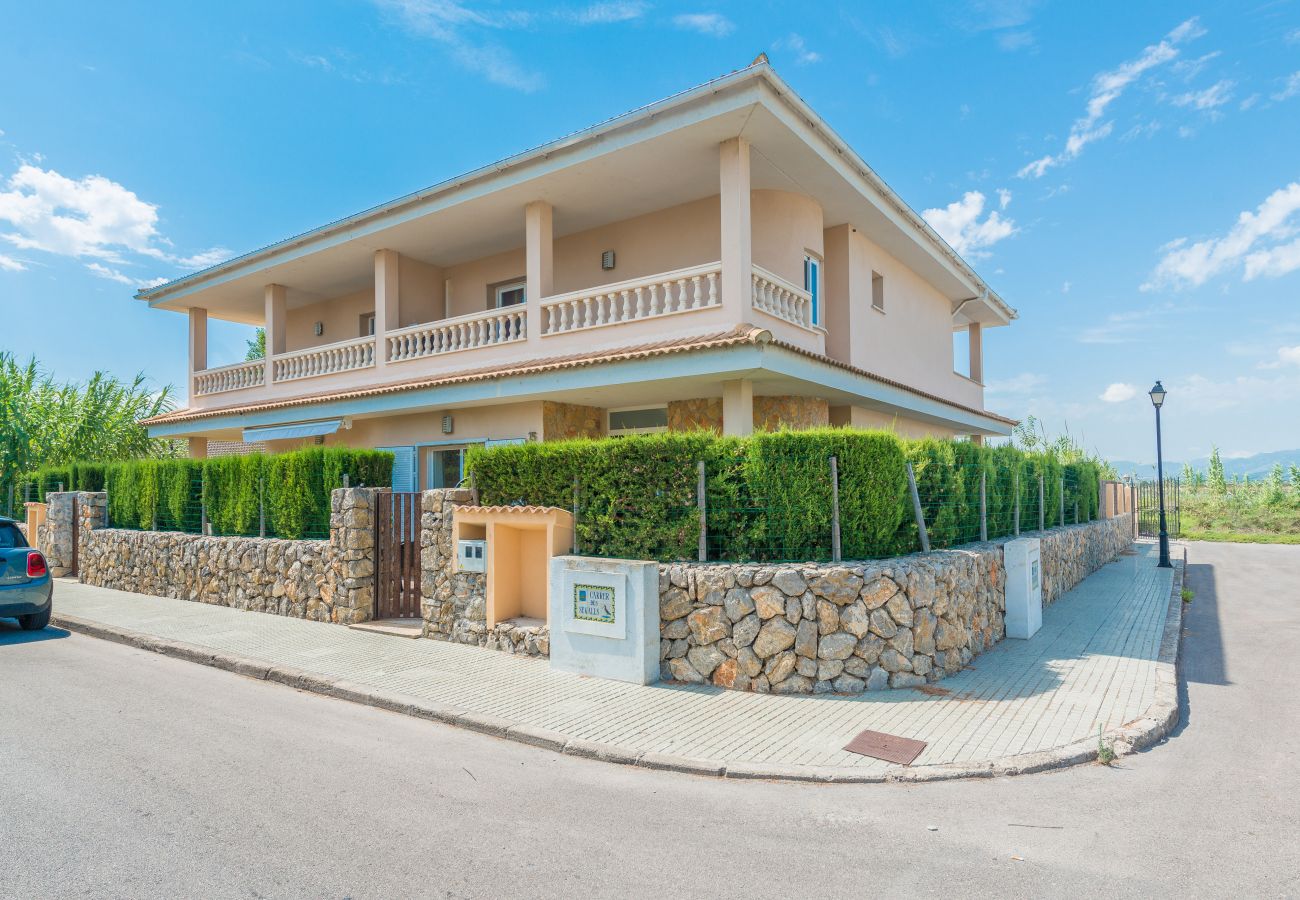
{"points": [[624, 378], [648, 159]]}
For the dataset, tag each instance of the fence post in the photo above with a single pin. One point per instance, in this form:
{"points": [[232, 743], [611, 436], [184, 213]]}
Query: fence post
{"points": [[575, 515], [1042, 508], [702, 503], [1076, 512], [984, 505], [261, 507], [346, 479], [473, 488], [916, 510], [835, 510], [1015, 480], [203, 503], [1060, 499]]}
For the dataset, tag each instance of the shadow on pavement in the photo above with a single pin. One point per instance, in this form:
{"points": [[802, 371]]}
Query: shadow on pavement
{"points": [[1204, 660], [12, 633]]}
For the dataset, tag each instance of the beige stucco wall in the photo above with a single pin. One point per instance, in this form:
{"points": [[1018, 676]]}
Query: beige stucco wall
{"points": [[785, 226], [339, 316], [911, 341], [862, 417]]}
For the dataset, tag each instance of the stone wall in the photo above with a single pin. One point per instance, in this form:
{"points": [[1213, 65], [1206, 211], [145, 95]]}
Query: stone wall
{"points": [[569, 420], [795, 413], [847, 628], [454, 604], [328, 581], [695, 415]]}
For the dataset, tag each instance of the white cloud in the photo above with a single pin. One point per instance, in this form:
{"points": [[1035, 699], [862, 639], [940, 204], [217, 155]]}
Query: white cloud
{"points": [[1190, 68], [1289, 355], [797, 46], [9, 264], [1248, 103], [111, 274], [1065, 288], [1118, 393], [1274, 222], [89, 217], [1011, 41], [712, 24], [1107, 87], [1017, 385], [1122, 327], [461, 30], [609, 13], [1293, 36], [959, 224], [1289, 89], [1215, 95], [1004, 198]]}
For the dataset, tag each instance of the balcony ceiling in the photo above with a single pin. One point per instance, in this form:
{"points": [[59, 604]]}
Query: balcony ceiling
{"points": [[653, 162]]}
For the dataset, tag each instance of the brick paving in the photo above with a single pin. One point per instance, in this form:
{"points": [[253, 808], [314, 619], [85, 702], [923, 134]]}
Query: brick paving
{"points": [[1092, 665]]}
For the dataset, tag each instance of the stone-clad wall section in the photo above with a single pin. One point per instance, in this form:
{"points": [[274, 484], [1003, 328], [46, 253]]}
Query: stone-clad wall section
{"points": [[903, 622], [570, 420], [454, 604], [327, 581]]}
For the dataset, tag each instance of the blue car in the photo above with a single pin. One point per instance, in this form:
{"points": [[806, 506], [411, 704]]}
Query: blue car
{"points": [[26, 591]]}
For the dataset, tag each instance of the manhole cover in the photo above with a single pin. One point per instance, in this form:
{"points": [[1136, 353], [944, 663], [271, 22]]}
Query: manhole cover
{"points": [[889, 747]]}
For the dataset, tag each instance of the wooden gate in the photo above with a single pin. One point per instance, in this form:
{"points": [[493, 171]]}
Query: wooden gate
{"points": [[397, 555]]}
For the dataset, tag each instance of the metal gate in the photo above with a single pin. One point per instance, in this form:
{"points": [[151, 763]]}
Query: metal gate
{"points": [[397, 555], [1148, 508]]}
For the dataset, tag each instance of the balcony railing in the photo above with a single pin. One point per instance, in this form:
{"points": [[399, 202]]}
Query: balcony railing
{"points": [[775, 296], [230, 378], [683, 290], [486, 329], [328, 359]]}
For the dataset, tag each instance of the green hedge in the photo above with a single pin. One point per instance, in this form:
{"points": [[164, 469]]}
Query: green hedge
{"points": [[292, 489], [769, 497], [75, 477]]}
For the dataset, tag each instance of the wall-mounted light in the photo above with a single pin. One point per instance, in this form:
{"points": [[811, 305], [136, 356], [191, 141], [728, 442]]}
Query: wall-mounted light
{"points": [[607, 259], [447, 424], [319, 328]]}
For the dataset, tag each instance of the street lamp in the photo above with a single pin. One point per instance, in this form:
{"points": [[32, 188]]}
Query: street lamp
{"points": [[1158, 400]]}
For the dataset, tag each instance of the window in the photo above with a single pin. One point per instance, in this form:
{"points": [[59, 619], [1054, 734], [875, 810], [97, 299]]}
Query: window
{"points": [[368, 325], [11, 537], [645, 420], [446, 468], [878, 291], [812, 283], [509, 294]]}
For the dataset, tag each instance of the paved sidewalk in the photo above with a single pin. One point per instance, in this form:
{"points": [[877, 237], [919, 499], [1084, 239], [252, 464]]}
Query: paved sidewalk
{"points": [[1096, 663]]}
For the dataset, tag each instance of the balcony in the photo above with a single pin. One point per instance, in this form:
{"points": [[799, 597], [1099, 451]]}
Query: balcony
{"points": [[680, 295]]}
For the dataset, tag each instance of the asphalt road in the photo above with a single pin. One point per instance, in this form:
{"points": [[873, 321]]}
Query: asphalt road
{"points": [[123, 773]]}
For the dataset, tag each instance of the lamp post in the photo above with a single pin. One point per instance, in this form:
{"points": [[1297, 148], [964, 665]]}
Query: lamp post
{"points": [[1157, 394]]}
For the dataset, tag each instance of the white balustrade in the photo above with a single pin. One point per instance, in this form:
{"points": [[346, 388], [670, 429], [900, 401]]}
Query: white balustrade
{"points": [[497, 326], [684, 290], [328, 359], [778, 297], [230, 378]]}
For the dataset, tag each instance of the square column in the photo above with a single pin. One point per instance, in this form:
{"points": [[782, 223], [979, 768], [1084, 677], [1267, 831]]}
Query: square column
{"points": [[539, 263], [975, 336], [275, 325], [198, 344], [737, 235], [387, 301], [738, 407]]}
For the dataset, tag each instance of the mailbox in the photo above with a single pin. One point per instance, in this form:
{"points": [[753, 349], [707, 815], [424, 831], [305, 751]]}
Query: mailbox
{"points": [[1024, 565], [471, 556]]}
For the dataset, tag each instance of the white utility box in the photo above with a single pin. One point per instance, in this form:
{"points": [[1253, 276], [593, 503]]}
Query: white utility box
{"points": [[1024, 563], [604, 616], [471, 556]]}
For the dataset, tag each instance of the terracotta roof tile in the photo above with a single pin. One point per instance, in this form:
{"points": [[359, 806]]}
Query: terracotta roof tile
{"points": [[740, 336]]}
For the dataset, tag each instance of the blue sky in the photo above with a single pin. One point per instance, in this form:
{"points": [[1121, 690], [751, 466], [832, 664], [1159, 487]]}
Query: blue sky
{"points": [[1125, 174]]}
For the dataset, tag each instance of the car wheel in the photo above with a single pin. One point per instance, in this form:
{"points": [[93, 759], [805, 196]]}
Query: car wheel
{"points": [[36, 621]]}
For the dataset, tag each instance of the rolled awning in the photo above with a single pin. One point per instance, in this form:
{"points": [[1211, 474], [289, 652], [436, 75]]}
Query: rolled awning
{"points": [[292, 430]]}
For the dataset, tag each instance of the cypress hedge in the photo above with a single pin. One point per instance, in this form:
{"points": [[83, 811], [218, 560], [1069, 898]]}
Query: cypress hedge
{"points": [[769, 497], [291, 489]]}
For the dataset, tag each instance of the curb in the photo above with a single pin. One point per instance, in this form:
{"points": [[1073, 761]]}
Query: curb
{"points": [[1156, 723]]}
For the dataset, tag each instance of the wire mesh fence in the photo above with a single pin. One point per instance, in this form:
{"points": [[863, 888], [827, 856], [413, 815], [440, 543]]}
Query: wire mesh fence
{"points": [[824, 509]]}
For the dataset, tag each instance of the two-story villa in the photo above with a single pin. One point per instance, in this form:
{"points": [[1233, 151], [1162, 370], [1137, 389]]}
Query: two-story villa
{"points": [[720, 259]]}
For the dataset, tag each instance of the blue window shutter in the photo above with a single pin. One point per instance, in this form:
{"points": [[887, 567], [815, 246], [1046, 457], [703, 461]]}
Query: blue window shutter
{"points": [[403, 468]]}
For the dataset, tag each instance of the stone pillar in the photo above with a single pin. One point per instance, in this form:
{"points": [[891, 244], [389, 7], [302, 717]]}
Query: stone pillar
{"points": [[738, 407], [975, 337], [352, 548], [539, 263], [55, 538], [388, 316], [198, 344], [737, 235], [275, 315], [454, 605]]}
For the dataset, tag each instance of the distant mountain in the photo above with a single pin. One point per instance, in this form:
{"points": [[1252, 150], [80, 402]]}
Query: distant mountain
{"points": [[1257, 466]]}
